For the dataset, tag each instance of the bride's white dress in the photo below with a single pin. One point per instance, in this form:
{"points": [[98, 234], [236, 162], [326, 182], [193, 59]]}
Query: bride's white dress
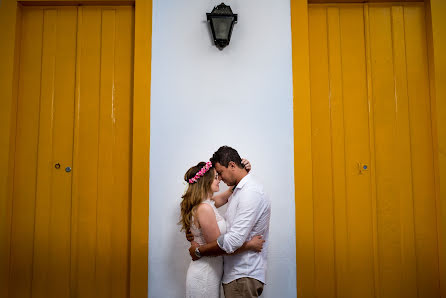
{"points": [[204, 275]]}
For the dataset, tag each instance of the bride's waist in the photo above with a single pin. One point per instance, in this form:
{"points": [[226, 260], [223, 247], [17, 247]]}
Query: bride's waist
{"points": [[213, 260]]}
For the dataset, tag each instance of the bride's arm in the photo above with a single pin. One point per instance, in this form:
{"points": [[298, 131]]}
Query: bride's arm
{"points": [[212, 248], [209, 227], [222, 198]]}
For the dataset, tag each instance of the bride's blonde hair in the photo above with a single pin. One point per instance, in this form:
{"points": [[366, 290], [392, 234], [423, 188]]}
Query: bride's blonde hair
{"points": [[194, 194]]}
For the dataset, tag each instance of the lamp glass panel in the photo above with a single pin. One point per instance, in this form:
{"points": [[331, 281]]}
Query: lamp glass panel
{"points": [[222, 26]]}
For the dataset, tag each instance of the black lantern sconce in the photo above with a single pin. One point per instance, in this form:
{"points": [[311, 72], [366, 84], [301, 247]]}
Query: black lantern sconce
{"points": [[222, 21]]}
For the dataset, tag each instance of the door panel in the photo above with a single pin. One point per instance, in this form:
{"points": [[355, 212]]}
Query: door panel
{"points": [[70, 229], [25, 165], [374, 201], [342, 194], [407, 239], [51, 257], [422, 159], [396, 251], [359, 245], [101, 197]]}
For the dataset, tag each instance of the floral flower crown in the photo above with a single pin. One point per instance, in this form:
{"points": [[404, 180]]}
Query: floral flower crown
{"points": [[201, 172]]}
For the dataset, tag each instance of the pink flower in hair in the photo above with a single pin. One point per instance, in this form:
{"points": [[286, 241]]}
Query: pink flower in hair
{"points": [[201, 172]]}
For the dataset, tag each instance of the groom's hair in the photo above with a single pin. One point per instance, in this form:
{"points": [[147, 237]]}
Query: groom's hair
{"points": [[224, 155]]}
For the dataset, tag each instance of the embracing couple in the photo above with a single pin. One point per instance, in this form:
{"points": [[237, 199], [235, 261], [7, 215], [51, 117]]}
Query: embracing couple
{"points": [[229, 249]]}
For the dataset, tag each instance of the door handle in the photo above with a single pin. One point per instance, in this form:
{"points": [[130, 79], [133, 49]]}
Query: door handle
{"points": [[363, 168]]}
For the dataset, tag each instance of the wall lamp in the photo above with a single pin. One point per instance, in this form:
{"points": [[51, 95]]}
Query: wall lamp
{"points": [[222, 21]]}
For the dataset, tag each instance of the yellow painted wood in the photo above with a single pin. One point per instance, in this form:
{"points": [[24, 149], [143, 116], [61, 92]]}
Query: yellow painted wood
{"points": [[101, 197], [70, 237], [371, 122], [113, 203], [305, 266], [85, 158], [336, 127], [386, 161], [24, 188], [421, 146], [345, 137], [51, 255], [436, 27], [10, 28], [10, 39], [74, 270], [360, 1], [75, 2], [140, 150], [322, 180], [106, 153], [374, 229], [401, 144], [357, 151], [122, 148]]}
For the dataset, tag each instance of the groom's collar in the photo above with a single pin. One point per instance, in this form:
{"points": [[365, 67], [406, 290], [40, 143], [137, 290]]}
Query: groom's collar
{"points": [[242, 182]]}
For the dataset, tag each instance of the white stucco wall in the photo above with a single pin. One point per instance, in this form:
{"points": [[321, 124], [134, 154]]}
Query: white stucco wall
{"points": [[203, 98]]}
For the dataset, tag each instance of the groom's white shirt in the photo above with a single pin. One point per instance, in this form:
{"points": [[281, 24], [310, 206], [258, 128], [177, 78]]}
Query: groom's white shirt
{"points": [[247, 215]]}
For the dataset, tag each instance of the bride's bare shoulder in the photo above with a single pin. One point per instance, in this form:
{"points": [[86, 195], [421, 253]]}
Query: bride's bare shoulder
{"points": [[204, 208]]}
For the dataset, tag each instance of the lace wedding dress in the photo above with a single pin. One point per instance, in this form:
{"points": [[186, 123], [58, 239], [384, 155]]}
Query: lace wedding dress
{"points": [[204, 275]]}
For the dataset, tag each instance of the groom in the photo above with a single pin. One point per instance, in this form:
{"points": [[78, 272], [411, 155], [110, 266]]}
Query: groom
{"points": [[247, 215]]}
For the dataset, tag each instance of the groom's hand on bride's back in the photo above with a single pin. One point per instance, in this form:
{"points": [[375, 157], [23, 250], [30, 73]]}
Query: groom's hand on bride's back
{"points": [[189, 236], [256, 243]]}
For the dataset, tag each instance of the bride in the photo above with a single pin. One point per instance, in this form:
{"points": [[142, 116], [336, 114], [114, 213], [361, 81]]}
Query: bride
{"points": [[199, 214]]}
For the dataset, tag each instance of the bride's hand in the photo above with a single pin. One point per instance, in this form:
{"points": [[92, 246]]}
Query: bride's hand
{"points": [[192, 247], [246, 164], [255, 244]]}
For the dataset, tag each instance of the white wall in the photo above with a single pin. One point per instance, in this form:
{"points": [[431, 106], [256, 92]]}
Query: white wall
{"points": [[203, 98]]}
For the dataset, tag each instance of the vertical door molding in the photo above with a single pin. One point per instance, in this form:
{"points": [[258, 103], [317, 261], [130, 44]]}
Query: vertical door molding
{"points": [[10, 41], [302, 149], [141, 150], [436, 36]]}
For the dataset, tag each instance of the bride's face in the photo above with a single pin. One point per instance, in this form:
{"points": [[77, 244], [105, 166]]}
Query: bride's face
{"points": [[216, 183]]}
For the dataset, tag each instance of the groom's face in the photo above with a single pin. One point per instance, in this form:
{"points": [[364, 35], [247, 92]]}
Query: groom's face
{"points": [[226, 174]]}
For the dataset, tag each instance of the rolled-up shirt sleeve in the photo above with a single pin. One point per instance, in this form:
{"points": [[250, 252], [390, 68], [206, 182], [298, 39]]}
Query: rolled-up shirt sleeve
{"points": [[246, 216]]}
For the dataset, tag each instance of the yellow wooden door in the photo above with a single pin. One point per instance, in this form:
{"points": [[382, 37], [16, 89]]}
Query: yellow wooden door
{"points": [[71, 198], [375, 232]]}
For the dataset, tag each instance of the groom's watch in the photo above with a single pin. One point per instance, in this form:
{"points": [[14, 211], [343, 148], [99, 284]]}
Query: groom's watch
{"points": [[197, 252]]}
